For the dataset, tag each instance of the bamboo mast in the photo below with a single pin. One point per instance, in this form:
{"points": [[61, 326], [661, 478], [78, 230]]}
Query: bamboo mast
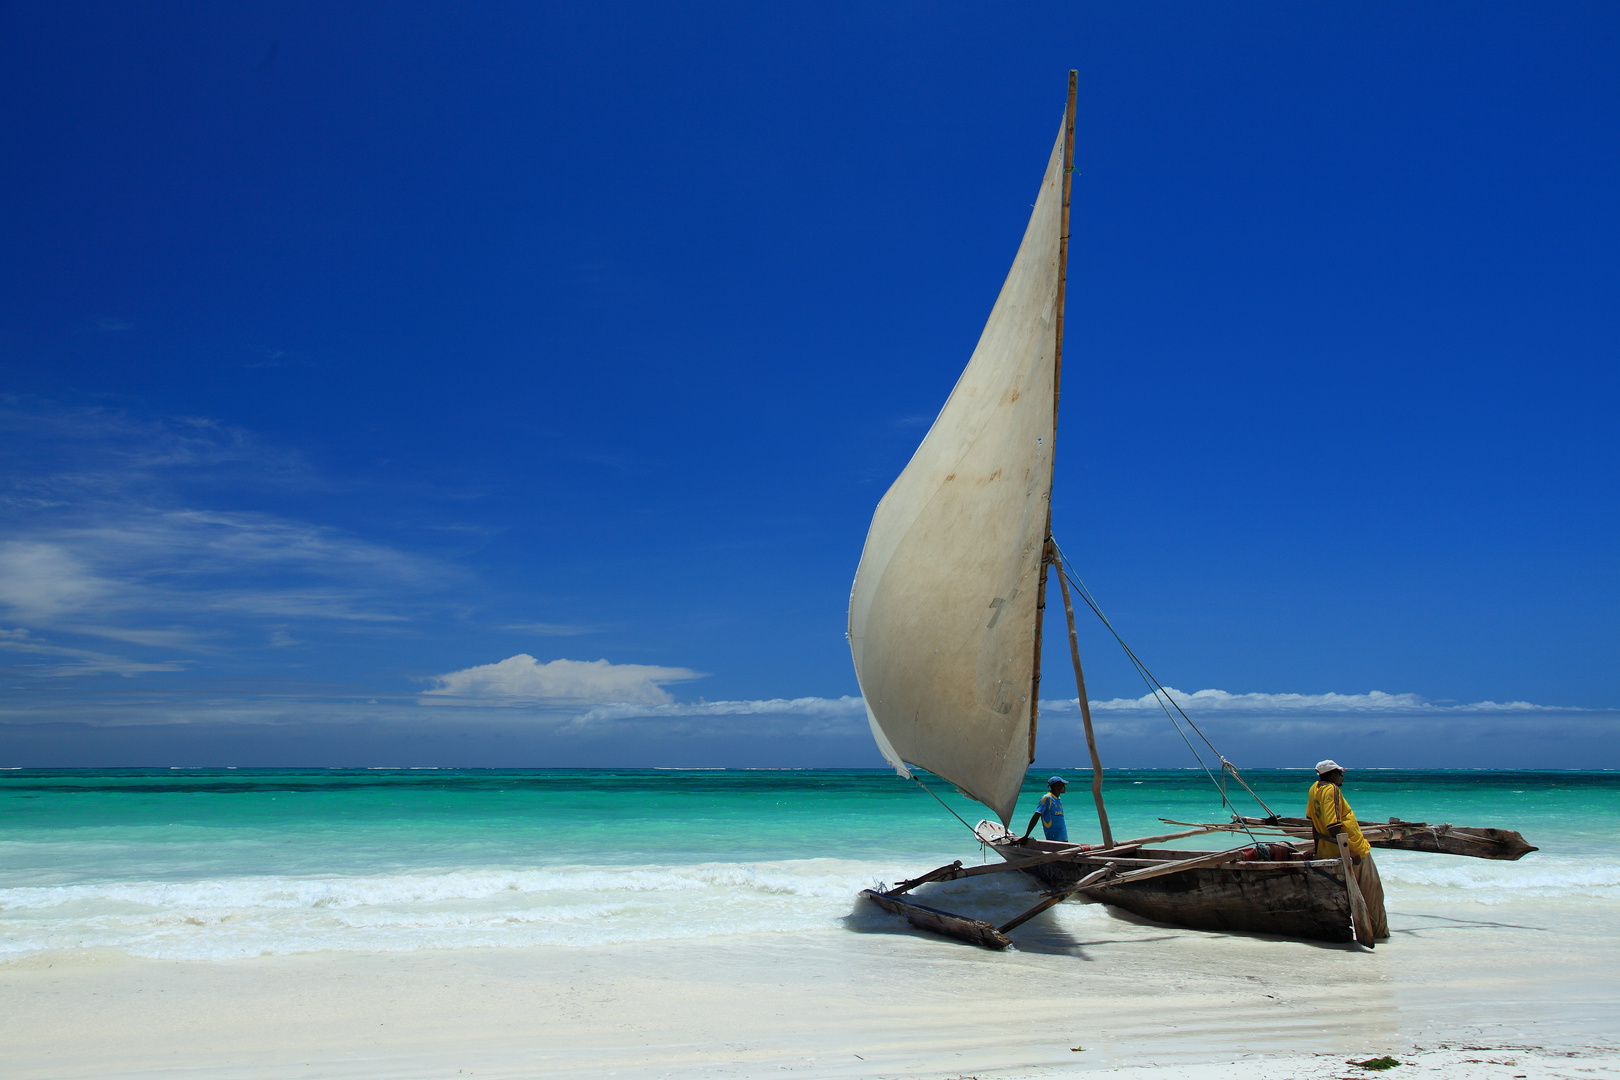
{"points": [[1085, 710], [1057, 383]]}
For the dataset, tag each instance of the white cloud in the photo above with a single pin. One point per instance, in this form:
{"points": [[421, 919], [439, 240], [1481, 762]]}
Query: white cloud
{"points": [[43, 580], [522, 679], [619, 693], [138, 561], [61, 661], [745, 720], [148, 637], [1376, 701], [101, 542]]}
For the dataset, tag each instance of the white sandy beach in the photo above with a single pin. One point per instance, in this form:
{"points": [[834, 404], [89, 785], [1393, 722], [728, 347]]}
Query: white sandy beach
{"points": [[1457, 998]]}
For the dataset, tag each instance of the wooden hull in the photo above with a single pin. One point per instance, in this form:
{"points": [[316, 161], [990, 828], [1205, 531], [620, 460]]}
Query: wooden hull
{"points": [[1500, 844], [1299, 899]]}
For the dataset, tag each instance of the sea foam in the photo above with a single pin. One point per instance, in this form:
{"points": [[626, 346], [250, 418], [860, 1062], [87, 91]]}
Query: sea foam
{"points": [[578, 905]]}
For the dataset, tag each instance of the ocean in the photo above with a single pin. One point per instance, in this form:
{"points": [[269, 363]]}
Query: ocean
{"points": [[231, 863]]}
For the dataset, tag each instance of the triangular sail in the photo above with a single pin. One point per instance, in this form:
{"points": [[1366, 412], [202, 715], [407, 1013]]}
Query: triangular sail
{"points": [[942, 613]]}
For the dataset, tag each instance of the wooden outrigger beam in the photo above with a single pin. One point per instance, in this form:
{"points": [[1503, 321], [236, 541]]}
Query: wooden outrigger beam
{"points": [[1106, 878], [956, 870], [1214, 858], [1053, 899], [978, 932], [1480, 843]]}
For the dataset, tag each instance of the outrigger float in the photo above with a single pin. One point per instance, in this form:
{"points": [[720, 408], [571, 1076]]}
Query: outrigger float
{"points": [[945, 621]]}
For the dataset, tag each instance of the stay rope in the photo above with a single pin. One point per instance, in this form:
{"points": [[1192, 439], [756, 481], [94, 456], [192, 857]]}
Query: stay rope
{"points": [[1162, 697], [946, 805]]}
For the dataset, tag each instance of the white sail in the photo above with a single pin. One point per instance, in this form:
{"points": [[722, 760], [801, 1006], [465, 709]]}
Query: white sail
{"points": [[942, 613]]}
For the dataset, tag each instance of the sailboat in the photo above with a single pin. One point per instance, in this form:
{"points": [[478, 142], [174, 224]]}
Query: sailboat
{"points": [[945, 630]]}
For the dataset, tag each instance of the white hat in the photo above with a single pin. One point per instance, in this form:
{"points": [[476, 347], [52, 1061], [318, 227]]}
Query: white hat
{"points": [[1327, 766]]}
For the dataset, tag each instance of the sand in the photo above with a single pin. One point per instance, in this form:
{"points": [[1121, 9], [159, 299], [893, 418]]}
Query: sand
{"points": [[1139, 999]]}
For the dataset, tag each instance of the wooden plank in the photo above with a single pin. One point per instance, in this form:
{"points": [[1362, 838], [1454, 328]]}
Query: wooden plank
{"points": [[1214, 858], [1076, 851], [1479, 843], [1160, 839], [1094, 880], [956, 870], [1051, 856], [1144, 841], [1358, 903], [972, 931], [944, 873]]}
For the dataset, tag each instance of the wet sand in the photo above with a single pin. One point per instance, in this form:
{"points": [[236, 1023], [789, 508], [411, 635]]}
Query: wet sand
{"points": [[880, 1003]]}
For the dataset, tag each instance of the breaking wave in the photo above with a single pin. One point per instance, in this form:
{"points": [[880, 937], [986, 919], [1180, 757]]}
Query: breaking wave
{"points": [[496, 907], [1481, 882], [468, 908]]}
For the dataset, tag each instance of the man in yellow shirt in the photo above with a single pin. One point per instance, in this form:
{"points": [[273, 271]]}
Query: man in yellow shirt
{"points": [[1331, 815]]}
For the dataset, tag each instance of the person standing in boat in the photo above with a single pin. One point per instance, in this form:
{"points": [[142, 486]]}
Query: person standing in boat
{"points": [[1331, 815], [1049, 812]]}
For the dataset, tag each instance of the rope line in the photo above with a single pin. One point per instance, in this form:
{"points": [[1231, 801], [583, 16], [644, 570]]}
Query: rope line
{"points": [[946, 805], [1155, 687], [1161, 695]]}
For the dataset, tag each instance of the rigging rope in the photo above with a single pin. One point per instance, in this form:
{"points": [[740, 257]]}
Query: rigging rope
{"points": [[1161, 695], [946, 805]]}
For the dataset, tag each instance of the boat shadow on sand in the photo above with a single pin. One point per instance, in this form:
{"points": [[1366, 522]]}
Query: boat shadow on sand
{"points": [[1043, 934]]}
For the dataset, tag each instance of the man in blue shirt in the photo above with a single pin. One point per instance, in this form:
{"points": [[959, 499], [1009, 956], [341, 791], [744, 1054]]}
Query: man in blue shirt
{"points": [[1050, 812]]}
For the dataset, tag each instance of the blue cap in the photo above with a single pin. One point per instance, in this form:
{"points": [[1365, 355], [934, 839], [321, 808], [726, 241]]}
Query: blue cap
{"points": [[1057, 780]]}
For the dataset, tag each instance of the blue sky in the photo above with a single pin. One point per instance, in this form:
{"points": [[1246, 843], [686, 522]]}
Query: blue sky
{"points": [[513, 384]]}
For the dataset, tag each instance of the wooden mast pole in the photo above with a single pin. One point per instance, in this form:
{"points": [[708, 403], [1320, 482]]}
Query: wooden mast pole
{"points": [[1057, 383], [1085, 710]]}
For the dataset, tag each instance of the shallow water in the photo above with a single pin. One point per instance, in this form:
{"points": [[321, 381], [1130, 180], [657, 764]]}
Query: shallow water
{"points": [[227, 863]]}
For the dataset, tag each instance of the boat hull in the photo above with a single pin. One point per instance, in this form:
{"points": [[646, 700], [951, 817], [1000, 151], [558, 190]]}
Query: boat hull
{"points": [[1298, 898], [1500, 844]]}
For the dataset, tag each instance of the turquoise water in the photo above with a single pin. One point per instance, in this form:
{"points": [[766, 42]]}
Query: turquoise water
{"points": [[236, 862]]}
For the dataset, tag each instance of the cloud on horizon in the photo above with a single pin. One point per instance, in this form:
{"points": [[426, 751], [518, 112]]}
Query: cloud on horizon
{"points": [[132, 721], [1375, 701], [523, 680]]}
